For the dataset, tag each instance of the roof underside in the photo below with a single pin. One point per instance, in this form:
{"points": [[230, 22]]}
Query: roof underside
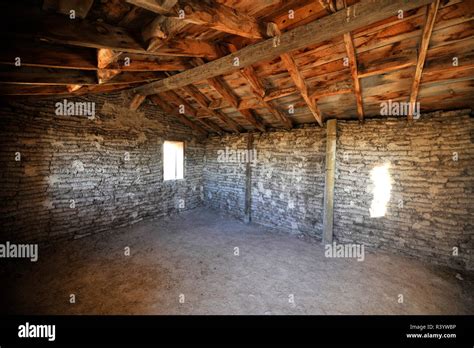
{"points": [[425, 54]]}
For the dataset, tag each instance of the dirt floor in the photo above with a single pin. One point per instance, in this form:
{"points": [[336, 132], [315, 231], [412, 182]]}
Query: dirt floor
{"points": [[193, 254]]}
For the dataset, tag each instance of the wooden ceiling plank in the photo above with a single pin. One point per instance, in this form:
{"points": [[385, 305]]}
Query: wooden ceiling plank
{"points": [[432, 9], [351, 54], [356, 16], [45, 55]]}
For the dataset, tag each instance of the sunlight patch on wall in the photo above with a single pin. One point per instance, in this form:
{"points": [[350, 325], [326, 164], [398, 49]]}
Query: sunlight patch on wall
{"points": [[382, 187]]}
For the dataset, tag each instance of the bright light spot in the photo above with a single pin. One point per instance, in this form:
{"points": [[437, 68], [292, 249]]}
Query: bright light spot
{"points": [[381, 180], [173, 160]]}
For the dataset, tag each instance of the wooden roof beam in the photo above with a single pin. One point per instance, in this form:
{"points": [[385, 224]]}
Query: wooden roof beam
{"points": [[204, 102], [157, 100], [84, 33], [432, 9], [136, 101], [160, 31], [227, 94], [210, 14], [68, 57], [300, 84], [188, 109], [290, 65], [356, 16], [59, 90], [279, 93], [351, 54], [256, 86]]}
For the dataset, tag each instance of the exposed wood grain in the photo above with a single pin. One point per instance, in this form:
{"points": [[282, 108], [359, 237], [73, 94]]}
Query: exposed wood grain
{"points": [[204, 102], [211, 14], [351, 54], [300, 37], [57, 29], [105, 75], [188, 109], [136, 101], [157, 100], [425, 42], [106, 56]]}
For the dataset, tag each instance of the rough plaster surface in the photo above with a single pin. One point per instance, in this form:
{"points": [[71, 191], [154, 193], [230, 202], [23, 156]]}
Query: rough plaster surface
{"points": [[193, 254]]}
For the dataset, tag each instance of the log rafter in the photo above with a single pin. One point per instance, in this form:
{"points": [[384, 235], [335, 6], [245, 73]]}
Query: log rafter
{"points": [[351, 54], [432, 10], [157, 100], [211, 14], [359, 15]]}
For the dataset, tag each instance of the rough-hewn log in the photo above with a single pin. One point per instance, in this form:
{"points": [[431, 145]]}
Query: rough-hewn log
{"points": [[425, 42], [300, 84], [356, 16], [157, 100], [210, 13], [248, 180], [227, 94], [136, 101], [249, 74], [58, 29], [328, 216], [204, 102], [189, 110], [351, 54]]}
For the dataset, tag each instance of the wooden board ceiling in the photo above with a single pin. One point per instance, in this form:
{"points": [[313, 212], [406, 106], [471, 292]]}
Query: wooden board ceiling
{"points": [[424, 53]]}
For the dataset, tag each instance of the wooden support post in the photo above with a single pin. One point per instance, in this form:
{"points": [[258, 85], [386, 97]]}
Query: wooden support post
{"points": [[329, 184], [248, 179]]}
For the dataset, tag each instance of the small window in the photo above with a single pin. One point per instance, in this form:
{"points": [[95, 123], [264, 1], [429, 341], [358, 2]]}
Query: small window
{"points": [[173, 160]]}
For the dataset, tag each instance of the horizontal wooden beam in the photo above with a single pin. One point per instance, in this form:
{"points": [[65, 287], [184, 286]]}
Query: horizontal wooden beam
{"points": [[210, 14], [41, 54], [59, 90], [356, 16], [84, 33], [52, 76]]}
